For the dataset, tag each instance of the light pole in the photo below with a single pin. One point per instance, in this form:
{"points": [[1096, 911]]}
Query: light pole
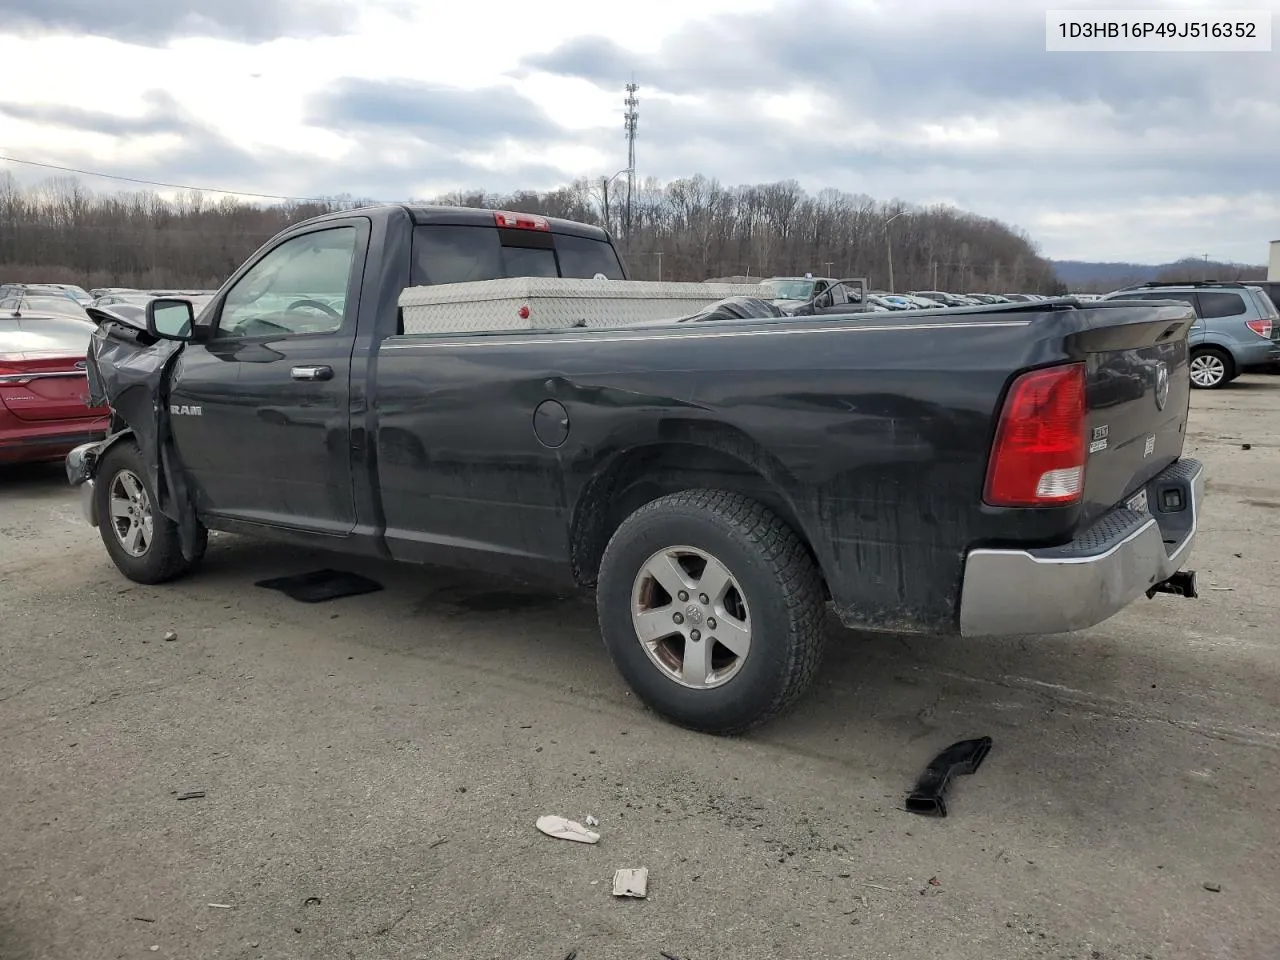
{"points": [[888, 246], [605, 182]]}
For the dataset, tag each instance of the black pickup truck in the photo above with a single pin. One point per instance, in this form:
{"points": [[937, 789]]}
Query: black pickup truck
{"points": [[1009, 469]]}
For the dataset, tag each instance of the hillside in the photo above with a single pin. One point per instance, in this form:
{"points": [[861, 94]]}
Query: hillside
{"points": [[686, 229], [1083, 276]]}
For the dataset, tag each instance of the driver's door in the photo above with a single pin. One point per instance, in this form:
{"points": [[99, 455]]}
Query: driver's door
{"points": [[261, 408], [835, 300]]}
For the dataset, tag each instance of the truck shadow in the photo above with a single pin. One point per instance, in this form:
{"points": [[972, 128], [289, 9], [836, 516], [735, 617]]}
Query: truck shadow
{"points": [[38, 479]]}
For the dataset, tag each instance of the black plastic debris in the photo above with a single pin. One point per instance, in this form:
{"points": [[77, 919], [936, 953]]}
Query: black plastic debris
{"points": [[959, 758], [321, 585]]}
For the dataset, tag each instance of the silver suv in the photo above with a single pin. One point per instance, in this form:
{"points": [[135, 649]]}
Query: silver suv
{"points": [[1237, 326]]}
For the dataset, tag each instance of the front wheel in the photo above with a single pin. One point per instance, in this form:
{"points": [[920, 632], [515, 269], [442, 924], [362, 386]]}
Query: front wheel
{"points": [[142, 542], [712, 610], [1211, 368]]}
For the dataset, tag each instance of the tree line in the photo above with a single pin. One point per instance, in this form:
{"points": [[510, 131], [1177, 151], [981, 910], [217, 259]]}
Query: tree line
{"points": [[695, 228]]}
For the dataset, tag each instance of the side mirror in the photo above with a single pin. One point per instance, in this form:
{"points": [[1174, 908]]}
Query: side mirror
{"points": [[170, 318]]}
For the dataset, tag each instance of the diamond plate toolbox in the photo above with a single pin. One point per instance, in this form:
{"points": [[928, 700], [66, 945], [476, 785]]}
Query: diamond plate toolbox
{"points": [[551, 303]]}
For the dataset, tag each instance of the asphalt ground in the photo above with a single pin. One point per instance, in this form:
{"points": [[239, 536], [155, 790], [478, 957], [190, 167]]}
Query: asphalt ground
{"points": [[372, 767]]}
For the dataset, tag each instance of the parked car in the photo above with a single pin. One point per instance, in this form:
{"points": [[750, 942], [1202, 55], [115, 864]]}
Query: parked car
{"points": [[895, 302], [42, 305], [79, 294], [43, 390], [806, 296], [132, 296], [716, 481], [922, 303], [946, 299], [56, 290], [1270, 287], [1237, 326]]}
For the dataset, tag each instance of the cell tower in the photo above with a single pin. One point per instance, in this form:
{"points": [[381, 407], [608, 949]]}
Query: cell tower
{"points": [[630, 120]]}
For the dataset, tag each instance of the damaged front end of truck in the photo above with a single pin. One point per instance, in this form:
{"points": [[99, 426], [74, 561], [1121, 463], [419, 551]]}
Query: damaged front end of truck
{"points": [[129, 369]]}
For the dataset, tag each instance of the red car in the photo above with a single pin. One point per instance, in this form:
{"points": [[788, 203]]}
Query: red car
{"points": [[44, 408]]}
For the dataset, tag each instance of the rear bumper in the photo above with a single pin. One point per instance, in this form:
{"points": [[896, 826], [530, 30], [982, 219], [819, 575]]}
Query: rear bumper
{"points": [[1256, 353], [49, 442], [1095, 576]]}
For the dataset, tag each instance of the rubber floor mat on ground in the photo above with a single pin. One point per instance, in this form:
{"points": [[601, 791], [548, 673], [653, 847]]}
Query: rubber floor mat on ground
{"points": [[320, 585]]}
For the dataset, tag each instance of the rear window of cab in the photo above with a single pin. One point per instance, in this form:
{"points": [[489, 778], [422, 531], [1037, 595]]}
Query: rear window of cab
{"points": [[445, 253]]}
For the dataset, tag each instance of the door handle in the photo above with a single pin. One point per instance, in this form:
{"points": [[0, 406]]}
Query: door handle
{"points": [[312, 373]]}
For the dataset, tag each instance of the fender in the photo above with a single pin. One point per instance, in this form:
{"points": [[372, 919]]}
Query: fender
{"points": [[82, 465]]}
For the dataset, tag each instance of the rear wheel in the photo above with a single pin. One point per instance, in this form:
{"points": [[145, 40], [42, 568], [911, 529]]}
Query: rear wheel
{"points": [[142, 542], [1211, 368], [712, 610]]}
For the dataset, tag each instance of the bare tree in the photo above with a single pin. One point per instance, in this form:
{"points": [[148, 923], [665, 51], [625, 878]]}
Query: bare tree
{"points": [[691, 228]]}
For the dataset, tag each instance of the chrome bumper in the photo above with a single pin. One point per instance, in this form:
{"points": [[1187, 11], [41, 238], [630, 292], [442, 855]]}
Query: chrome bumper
{"points": [[80, 465], [1095, 576], [88, 504]]}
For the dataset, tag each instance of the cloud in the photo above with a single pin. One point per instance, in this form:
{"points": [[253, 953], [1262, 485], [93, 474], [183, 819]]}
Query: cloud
{"points": [[938, 99], [163, 115], [152, 22], [1100, 156], [435, 112]]}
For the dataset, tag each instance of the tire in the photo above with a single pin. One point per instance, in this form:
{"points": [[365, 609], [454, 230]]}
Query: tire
{"points": [[770, 600], [148, 558], [1213, 366]]}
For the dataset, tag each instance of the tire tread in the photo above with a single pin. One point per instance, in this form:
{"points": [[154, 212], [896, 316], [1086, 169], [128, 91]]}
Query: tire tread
{"points": [[164, 561]]}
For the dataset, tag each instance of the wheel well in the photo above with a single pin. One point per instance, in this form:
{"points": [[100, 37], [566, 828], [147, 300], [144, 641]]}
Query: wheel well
{"points": [[643, 474], [1217, 348]]}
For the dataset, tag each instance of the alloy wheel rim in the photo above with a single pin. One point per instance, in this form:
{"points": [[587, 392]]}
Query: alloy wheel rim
{"points": [[132, 519], [691, 617]]}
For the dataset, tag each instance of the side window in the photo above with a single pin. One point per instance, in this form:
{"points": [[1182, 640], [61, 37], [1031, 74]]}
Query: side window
{"points": [[300, 287], [839, 294], [583, 258], [1221, 305]]}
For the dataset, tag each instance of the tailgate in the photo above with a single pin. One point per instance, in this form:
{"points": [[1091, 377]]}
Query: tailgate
{"points": [[1138, 392]]}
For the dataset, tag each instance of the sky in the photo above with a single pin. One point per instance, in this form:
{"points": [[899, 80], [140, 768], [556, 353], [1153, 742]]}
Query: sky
{"points": [[1144, 157]]}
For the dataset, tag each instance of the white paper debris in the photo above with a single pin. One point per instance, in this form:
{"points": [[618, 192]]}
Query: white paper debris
{"points": [[631, 883], [563, 829], [592, 821]]}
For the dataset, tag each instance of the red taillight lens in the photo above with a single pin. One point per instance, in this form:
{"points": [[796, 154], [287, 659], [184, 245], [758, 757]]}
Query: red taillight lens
{"points": [[520, 221], [1039, 453], [1261, 327]]}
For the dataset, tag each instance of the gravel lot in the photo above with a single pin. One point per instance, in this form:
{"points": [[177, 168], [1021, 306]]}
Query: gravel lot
{"points": [[373, 767]]}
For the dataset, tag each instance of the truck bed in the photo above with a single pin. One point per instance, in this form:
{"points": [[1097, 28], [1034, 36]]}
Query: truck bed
{"points": [[870, 432]]}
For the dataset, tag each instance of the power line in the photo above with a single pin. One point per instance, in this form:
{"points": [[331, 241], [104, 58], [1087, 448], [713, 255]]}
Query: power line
{"points": [[178, 186]]}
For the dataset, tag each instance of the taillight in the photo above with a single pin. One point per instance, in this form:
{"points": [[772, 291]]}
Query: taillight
{"points": [[1039, 453], [1261, 327], [520, 221]]}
